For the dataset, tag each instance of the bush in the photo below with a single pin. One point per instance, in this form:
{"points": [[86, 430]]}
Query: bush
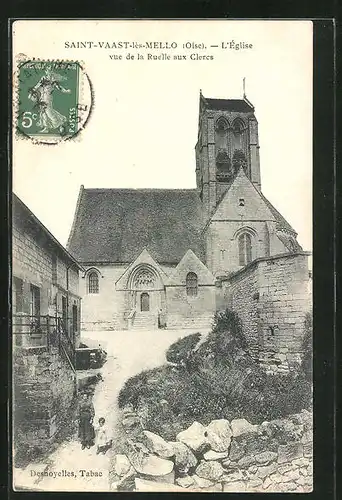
{"points": [[217, 380], [228, 322], [140, 387], [180, 352]]}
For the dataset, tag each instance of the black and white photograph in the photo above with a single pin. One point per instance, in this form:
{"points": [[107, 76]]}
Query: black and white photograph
{"points": [[162, 256]]}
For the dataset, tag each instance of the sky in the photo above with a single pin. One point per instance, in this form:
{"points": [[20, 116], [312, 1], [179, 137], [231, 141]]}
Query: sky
{"points": [[143, 127]]}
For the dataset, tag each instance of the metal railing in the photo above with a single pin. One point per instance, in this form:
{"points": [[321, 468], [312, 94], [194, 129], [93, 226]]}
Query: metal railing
{"points": [[44, 331]]}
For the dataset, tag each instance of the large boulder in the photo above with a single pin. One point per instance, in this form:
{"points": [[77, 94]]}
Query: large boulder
{"points": [[233, 476], [254, 485], [211, 470], [246, 461], [289, 452], [242, 426], [235, 487], [153, 467], [123, 474], [147, 485], [201, 482], [237, 450], [282, 430], [194, 437], [126, 483], [185, 482], [304, 418], [266, 457], [196, 483], [215, 455], [219, 435], [121, 465], [308, 449], [183, 457], [307, 437], [156, 444], [266, 470], [252, 444]]}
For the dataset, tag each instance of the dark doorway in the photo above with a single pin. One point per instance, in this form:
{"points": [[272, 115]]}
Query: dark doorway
{"points": [[145, 302]]}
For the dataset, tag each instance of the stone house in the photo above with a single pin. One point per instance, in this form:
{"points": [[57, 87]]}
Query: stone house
{"points": [[168, 257], [46, 310]]}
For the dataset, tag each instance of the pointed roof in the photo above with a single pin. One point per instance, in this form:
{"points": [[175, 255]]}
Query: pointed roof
{"points": [[190, 262], [143, 259], [23, 214], [115, 225], [238, 105], [282, 223]]}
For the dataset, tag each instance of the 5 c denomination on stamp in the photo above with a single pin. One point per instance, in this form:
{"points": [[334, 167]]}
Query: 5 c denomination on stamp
{"points": [[53, 100]]}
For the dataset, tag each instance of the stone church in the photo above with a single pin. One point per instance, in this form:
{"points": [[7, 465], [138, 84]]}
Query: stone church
{"points": [[172, 257]]}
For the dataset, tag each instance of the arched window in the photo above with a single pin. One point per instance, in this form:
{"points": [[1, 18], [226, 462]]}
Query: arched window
{"points": [[223, 170], [191, 285], [221, 134], [238, 134], [93, 282], [245, 249]]}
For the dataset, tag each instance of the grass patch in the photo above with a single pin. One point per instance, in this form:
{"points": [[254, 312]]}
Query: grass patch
{"points": [[217, 380]]}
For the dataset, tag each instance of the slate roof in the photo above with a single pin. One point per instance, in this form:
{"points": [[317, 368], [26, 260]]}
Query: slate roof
{"points": [[115, 225], [281, 221], [239, 105], [24, 216]]}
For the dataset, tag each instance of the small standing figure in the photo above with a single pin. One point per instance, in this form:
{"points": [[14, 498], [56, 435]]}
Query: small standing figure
{"points": [[86, 431], [102, 440]]}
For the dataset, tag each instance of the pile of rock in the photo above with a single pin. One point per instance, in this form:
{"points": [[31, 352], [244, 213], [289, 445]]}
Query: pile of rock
{"points": [[227, 456]]}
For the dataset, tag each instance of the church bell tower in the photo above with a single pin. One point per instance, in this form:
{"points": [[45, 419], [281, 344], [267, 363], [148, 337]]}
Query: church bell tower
{"points": [[227, 140]]}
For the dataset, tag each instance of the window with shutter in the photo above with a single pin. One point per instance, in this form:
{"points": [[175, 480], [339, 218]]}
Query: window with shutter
{"points": [[93, 283], [245, 249], [191, 285]]}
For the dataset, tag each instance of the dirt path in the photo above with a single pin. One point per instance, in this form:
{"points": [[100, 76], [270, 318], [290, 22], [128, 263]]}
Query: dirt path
{"points": [[71, 469]]}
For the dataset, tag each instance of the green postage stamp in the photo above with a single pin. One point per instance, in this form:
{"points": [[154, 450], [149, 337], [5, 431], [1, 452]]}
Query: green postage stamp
{"points": [[54, 100]]}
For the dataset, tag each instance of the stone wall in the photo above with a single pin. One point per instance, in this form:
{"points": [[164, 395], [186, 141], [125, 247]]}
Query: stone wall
{"points": [[186, 312], [30, 258], [104, 310], [222, 244], [230, 218], [43, 380], [44, 388], [272, 297], [224, 456], [67, 277], [36, 261]]}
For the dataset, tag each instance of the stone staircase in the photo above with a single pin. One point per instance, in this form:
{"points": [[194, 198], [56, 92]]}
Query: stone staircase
{"points": [[145, 321]]}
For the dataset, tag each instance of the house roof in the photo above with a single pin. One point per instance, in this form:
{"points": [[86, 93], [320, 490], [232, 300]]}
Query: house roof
{"points": [[115, 225], [239, 105], [23, 214]]}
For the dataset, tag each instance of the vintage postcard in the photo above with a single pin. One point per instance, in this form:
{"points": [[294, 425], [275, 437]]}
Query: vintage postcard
{"points": [[161, 255]]}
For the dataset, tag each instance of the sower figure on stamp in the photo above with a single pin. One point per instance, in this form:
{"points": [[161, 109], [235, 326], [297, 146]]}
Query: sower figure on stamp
{"points": [[86, 431], [42, 92]]}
